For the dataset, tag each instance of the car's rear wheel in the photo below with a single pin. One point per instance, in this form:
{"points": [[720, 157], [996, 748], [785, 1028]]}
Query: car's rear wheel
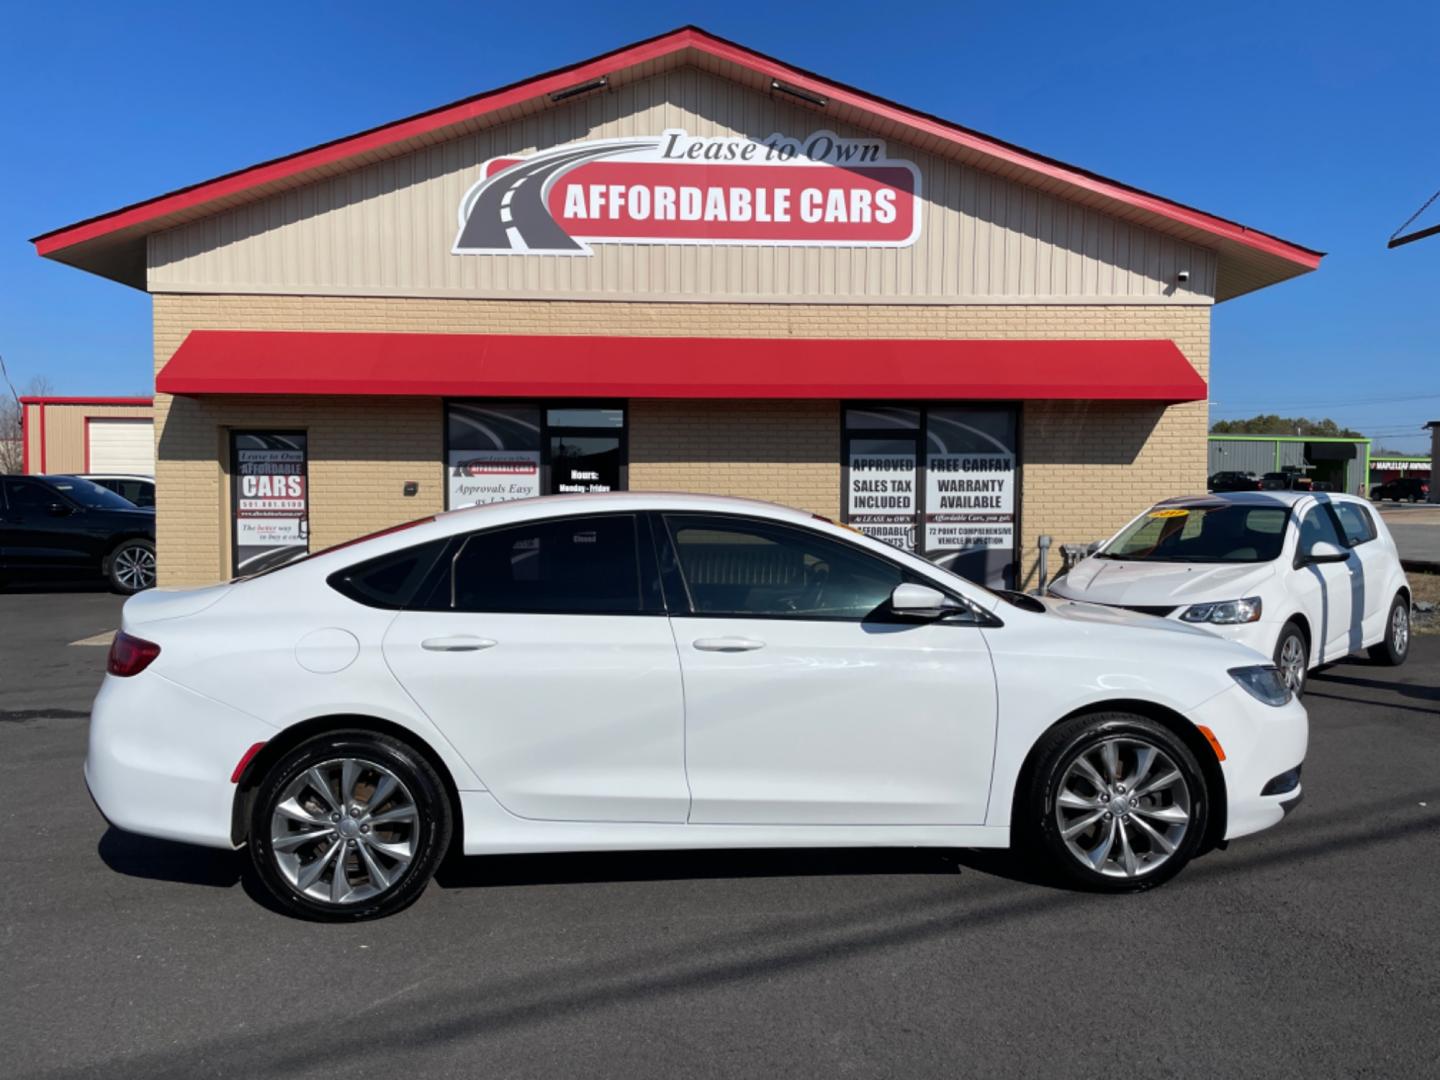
{"points": [[130, 568], [1292, 657], [1396, 646], [1116, 803], [349, 826]]}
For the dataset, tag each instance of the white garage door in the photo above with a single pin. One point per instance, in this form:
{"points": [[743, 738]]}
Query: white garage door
{"points": [[123, 446]]}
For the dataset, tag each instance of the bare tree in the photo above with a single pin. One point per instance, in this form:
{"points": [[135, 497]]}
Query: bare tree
{"points": [[12, 445]]}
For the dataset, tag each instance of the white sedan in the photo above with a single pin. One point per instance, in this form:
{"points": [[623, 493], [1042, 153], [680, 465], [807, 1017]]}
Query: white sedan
{"points": [[1303, 578], [648, 671]]}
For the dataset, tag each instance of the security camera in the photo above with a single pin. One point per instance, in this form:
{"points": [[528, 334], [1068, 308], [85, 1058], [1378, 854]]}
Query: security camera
{"points": [[1183, 275]]}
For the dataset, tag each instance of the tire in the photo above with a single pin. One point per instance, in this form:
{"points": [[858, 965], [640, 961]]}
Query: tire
{"points": [[1396, 647], [386, 866], [1292, 647], [130, 568], [1133, 859]]}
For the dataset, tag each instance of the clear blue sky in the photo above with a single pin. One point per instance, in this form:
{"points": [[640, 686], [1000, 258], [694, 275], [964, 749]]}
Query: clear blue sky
{"points": [[1315, 121]]}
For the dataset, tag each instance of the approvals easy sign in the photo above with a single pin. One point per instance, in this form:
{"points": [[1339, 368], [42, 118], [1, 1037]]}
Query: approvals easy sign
{"points": [[681, 189]]}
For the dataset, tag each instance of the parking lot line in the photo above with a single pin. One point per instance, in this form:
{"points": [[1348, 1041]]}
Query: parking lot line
{"points": [[102, 639]]}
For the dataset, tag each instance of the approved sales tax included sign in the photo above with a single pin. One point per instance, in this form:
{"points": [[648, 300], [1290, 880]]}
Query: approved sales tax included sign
{"points": [[674, 188]]}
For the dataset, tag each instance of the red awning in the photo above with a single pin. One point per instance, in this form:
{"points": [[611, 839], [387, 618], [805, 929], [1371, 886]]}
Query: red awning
{"points": [[584, 366]]}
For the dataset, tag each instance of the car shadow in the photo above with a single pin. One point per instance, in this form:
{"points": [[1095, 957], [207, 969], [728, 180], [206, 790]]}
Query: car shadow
{"points": [[502, 871], [166, 860], [30, 588]]}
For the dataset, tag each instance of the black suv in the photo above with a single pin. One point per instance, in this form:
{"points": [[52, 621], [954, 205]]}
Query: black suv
{"points": [[1402, 488], [64, 526]]}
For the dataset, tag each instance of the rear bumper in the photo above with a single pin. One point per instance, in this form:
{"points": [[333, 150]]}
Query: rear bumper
{"points": [[160, 758], [1260, 742]]}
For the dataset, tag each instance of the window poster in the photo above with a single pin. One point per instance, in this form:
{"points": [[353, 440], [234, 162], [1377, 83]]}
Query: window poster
{"points": [[970, 491], [583, 464], [881, 489], [492, 454], [270, 499]]}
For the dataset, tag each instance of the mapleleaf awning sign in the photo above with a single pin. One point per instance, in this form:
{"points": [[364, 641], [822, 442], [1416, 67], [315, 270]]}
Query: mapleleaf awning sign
{"points": [[676, 188]]}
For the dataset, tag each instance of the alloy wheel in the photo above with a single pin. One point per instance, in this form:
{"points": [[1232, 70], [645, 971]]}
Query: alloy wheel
{"points": [[1123, 807], [344, 831], [1292, 663], [135, 568], [1400, 628]]}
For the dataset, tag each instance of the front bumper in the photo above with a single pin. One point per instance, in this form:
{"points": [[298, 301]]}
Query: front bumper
{"points": [[160, 759], [1261, 742], [1262, 636]]}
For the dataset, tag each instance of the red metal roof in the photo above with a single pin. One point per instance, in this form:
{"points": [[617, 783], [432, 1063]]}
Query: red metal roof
{"points": [[1278, 258], [498, 365], [47, 399]]}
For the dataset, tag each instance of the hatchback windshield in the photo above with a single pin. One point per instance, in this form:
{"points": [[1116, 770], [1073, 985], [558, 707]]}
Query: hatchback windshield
{"points": [[1218, 532]]}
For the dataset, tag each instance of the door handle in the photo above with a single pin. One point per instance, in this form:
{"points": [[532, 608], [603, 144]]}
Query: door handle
{"points": [[459, 643], [728, 644]]}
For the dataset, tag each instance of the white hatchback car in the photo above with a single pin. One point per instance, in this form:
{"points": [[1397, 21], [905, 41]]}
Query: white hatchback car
{"points": [[1303, 578], [649, 671]]}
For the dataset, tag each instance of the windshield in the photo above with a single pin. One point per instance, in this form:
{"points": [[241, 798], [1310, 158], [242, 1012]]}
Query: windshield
{"points": [[1221, 532], [90, 495]]}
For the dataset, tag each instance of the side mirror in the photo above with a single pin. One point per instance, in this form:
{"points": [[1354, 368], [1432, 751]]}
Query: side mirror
{"points": [[922, 602], [1322, 551], [59, 509]]}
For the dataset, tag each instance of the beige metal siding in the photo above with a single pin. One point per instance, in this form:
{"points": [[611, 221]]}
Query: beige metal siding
{"points": [[387, 228]]}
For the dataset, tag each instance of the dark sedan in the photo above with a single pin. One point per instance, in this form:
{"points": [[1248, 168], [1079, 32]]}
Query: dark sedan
{"points": [[67, 527]]}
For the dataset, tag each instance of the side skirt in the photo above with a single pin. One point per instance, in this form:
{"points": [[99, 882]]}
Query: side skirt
{"points": [[490, 830]]}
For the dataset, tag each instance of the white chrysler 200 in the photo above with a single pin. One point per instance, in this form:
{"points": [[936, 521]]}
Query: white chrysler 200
{"points": [[649, 671]]}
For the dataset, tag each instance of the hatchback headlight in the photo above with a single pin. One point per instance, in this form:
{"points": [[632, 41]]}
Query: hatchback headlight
{"points": [[1225, 612], [1263, 682]]}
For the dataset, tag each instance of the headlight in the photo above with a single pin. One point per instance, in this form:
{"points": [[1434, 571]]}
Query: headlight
{"points": [[1263, 682], [1225, 611]]}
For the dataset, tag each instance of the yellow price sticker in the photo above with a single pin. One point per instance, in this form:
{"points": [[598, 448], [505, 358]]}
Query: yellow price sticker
{"points": [[1169, 513]]}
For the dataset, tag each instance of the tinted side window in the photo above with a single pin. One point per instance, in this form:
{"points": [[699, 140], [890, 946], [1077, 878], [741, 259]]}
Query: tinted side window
{"points": [[388, 581], [584, 565], [27, 495], [750, 568], [1315, 526], [1359, 526]]}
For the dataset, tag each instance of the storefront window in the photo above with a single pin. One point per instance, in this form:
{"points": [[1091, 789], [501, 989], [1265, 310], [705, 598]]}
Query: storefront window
{"points": [[497, 451], [955, 502]]}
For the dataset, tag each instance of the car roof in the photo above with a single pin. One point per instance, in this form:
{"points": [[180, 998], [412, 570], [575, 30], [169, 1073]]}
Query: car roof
{"points": [[600, 502], [1259, 498]]}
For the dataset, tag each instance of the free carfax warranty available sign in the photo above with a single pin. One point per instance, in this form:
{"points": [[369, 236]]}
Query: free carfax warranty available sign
{"points": [[674, 188]]}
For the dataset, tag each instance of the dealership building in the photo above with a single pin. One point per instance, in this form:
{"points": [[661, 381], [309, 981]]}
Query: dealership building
{"points": [[682, 265]]}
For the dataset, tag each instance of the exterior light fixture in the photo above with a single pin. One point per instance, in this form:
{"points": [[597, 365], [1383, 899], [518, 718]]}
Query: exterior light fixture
{"points": [[583, 88], [804, 95]]}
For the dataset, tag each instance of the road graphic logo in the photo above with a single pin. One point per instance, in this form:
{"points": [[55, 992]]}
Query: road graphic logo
{"points": [[674, 188]]}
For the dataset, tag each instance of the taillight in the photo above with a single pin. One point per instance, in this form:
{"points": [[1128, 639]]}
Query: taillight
{"points": [[130, 655]]}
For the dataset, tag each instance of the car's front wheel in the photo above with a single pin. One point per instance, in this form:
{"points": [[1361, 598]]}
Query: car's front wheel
{"points": [[1116, 802], [348, 826], [1292, 657], [1396, 647]]}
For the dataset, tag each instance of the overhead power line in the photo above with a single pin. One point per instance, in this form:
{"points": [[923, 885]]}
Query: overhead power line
{"points": [[1396, 239]]}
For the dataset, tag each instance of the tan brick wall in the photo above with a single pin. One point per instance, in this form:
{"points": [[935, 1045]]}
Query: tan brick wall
{"points": [[1087, 465], [782, 451]]}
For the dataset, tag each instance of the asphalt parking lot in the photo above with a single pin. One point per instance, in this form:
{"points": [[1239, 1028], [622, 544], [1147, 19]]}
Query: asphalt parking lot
{"points": [[1309, 950]]}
